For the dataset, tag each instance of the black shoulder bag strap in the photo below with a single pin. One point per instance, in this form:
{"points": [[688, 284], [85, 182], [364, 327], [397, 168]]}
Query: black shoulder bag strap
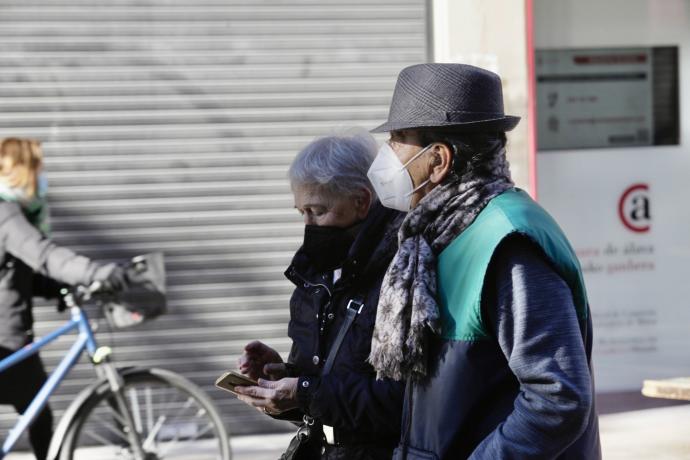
{"points": [[299, 445], [354, 308]]}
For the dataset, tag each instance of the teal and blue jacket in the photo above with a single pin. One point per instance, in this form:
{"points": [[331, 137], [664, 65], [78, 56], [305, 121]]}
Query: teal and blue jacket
{"points": [[509, 374]]}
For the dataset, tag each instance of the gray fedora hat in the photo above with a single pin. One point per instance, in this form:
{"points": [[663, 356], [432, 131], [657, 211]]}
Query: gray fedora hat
{"points": [[447, 95]]}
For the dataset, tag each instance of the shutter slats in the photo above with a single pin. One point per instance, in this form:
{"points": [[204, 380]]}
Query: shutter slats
{"points": [[169, 125]]}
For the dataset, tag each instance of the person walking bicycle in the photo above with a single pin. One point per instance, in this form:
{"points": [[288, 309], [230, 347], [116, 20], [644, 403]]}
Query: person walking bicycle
{"points": [[32, 265]]}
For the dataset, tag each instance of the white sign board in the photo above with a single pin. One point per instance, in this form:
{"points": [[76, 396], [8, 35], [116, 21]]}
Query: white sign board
{"points": [[624, 209], [633, 243]]}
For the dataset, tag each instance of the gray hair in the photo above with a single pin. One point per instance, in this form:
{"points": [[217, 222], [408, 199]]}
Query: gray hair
{"points": [[336, 165]]}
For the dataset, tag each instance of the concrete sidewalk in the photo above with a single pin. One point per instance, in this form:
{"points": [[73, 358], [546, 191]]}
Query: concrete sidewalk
{"points": [[256, 447], [260, 447], [659, 434]]}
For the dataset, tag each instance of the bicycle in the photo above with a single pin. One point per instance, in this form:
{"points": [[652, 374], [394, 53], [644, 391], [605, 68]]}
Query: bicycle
{"points": [[127, 413]]}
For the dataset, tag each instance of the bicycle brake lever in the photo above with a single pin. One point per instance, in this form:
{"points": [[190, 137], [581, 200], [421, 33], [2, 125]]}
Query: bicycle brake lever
{"points": [[95, 287], [139, 264]]}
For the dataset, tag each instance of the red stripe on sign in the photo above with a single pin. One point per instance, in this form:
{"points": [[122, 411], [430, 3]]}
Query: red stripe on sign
{"points": [[531, 98], [611, 59]]}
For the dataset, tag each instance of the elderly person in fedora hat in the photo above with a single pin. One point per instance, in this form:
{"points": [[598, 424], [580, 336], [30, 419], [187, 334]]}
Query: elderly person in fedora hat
{"points": [[483, 310], [349, 240]]}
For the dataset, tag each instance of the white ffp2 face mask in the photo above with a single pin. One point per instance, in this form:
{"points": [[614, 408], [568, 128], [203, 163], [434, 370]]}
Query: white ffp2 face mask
{"points": [[391, 180]]}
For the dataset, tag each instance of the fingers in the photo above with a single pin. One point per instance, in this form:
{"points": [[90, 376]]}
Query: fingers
{"points": [[257, 391], [275, 371], [254, 402], [251, 361], [284, 390], [246, 365], [253, 371], [261, 405], [268, 384], [267, 389], [274, 396], [255, 346], [263, 399], [244, 362]]}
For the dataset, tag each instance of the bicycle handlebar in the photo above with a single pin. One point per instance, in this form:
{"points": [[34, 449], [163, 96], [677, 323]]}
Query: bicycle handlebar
{"points": [[142, 298], [77, 295], [83, 293]]}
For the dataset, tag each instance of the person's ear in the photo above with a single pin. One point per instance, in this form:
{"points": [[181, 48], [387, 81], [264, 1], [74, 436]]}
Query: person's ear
{"points": [[363, 201], [441, 163]]}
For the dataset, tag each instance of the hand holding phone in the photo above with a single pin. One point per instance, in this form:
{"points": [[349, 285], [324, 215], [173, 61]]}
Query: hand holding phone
{"points": [[231, 379], [258, 360]]}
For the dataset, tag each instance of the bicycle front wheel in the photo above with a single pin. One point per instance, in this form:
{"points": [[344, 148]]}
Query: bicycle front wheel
{"points": [[173, 417]]}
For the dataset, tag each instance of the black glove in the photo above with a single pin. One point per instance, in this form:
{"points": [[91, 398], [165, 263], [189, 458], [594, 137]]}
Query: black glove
{"points": [[45, 287], [61, 305]]}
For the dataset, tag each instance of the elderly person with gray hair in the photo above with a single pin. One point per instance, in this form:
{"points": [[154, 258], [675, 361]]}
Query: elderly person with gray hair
{"points": [[349, 240]]}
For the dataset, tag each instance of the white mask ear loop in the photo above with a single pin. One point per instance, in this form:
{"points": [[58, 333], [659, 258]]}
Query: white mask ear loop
{"points": [[417, 155], [417, 188]]}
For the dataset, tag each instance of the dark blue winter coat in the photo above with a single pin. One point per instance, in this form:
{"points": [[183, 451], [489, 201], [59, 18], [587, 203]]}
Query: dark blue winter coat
{"points": [[363, 410]]}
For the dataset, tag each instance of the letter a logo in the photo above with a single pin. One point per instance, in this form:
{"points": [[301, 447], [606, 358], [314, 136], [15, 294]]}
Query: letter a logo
{"points": [[634, 208]]}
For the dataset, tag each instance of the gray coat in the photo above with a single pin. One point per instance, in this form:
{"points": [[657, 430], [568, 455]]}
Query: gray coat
{"points": [[27, 259]]}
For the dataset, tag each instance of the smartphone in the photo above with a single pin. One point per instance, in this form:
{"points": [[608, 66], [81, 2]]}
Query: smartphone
{"points": [[231, 379]]}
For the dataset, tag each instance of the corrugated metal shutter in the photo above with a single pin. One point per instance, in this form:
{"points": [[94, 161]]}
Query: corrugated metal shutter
{"points": [[169, 125]]}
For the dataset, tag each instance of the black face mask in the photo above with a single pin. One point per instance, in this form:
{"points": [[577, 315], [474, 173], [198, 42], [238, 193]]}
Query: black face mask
{"points": [[327, 247]]}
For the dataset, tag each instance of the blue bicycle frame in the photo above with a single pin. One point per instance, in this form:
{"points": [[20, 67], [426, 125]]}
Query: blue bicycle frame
{"points": [[85, 340]]}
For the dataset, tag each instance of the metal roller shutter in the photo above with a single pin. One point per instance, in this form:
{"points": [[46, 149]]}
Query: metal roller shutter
{"points": [[169, 125]]}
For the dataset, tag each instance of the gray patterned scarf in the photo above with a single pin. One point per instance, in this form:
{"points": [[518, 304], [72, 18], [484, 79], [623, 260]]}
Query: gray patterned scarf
{"points": [[407, 304]]}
